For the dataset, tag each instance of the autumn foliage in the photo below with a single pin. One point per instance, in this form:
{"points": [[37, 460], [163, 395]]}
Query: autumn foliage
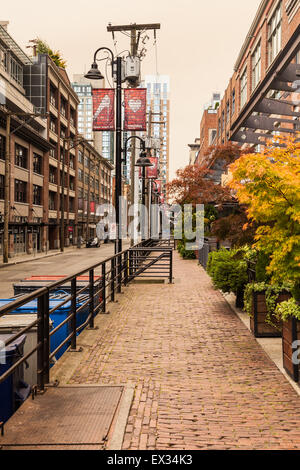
{"points": [[191, 186], [227, 153], [269, 184]]}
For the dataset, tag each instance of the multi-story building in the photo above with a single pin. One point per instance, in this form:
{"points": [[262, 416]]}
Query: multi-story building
{"points": [[28, 153], [208, 126], [94, 188], [62, 103], [262, 97], [158, 109]]}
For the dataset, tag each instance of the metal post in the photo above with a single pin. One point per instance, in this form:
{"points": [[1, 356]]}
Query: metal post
{"points": [[171, 267], [112, 282], [91, 294], [6, 190], [126, 268], [130, 263], [40, 340], [119, 271], [46, 338], [103, 288], [73, 312], [118, 189], [62, 203]]}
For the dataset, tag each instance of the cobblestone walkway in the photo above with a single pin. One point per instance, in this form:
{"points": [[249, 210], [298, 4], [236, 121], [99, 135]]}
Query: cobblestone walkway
{"points": [[201, 380]]}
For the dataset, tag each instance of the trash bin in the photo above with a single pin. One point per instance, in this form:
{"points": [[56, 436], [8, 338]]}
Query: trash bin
{"points": [[14, 390], [36, 282], [57, 318], [12, 324]]}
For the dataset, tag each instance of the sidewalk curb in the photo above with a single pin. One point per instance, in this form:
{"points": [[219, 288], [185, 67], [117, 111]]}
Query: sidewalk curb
{"points": [[263, 346], [116, 441], [36, 258]]}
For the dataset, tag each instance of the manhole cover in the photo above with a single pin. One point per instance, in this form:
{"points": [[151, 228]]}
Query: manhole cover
{"points": [[64, 417]]}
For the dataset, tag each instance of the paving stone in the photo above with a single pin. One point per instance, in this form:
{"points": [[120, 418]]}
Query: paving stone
{"points": [[201, 379]]}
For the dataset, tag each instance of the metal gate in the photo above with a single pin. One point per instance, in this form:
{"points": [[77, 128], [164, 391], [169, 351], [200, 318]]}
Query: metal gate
{"points": [[155, 262]]}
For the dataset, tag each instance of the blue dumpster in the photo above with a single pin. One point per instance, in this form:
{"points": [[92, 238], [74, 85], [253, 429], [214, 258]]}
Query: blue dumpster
{"points": [[13, 391], [57, 318]]}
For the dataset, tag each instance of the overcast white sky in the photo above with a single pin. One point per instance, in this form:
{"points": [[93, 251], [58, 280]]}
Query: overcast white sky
{"points": [[198, 44]]}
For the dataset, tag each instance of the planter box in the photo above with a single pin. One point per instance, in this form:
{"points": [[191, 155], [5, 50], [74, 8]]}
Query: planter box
{"points": [[258, 324], [290, 334]]}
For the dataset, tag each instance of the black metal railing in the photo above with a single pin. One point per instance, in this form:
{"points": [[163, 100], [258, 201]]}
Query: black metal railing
{"points": [[105, 280]]}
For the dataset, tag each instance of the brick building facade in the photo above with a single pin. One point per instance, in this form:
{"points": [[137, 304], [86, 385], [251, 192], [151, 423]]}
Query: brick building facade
{"points": [[259, 100], [44, 154]]}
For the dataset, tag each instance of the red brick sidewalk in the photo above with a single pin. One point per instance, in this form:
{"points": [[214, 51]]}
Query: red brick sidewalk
{"points": [[202, 381]]}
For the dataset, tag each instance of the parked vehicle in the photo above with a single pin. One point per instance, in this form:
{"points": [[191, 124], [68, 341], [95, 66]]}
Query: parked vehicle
{"points": [[93, 243]]}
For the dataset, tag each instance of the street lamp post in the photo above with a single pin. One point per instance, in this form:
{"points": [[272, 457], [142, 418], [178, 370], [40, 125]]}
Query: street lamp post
{"points": [[142, 162], [95, 74]]}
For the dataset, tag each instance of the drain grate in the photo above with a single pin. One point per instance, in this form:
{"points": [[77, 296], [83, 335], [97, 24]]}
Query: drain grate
{"points": [[70, 417]]}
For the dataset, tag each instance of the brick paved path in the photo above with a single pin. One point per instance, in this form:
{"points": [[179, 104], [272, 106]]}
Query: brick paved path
{"points": [[202, 381]]}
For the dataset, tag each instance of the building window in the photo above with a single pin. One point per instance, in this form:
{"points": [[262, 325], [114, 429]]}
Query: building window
{"points": [[37, 195], [20, 156], [72, 183], [1, 186], [2, 147], [3, 58], [223, 120], [53, 95], [52, 174], [244, 93], [63, 107], [233, 102], [71, 162], [256, 67], [73, 117], [37, 164], [52, 200], [80, 156], [71, 204], [53, 125], [80, 174], [63, 132], [274, 34], [227, 111], [86, 162], [16, 71], [20, 191]]}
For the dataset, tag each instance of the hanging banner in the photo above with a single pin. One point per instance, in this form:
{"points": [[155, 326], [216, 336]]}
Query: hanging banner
{"points": [[103, 109], [152, 171], [135, 109], [158, 186]]}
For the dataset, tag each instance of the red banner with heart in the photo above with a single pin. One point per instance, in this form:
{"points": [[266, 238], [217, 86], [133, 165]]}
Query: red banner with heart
{"points": [[135, 109], [152, 171], [103, 109]]}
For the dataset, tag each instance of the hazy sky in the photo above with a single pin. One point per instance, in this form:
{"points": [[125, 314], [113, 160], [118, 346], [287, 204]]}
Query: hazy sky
{"points": [[197, 45]]}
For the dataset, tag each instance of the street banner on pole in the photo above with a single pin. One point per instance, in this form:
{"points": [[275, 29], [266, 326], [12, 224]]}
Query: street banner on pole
{"points": [[158, 186], [135, 109], [103, 109], [152, 171]]}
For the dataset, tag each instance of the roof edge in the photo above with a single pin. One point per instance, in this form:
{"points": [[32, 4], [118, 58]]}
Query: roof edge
{"points": [[252, 29]]}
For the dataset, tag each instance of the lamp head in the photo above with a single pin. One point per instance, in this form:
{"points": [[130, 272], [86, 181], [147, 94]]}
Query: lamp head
{"points": [[94, 73], [143, 161]]}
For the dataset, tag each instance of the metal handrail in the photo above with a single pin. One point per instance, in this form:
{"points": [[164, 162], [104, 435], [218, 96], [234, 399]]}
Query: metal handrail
{"points": [[122, 268]]}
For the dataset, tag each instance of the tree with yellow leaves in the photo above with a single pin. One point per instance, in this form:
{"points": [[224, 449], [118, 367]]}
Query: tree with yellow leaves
{"points": [[269, 184]]}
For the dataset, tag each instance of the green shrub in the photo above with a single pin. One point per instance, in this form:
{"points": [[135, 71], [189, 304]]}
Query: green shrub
{"points": [[288, 309], [228, 270], [271, 291]]}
